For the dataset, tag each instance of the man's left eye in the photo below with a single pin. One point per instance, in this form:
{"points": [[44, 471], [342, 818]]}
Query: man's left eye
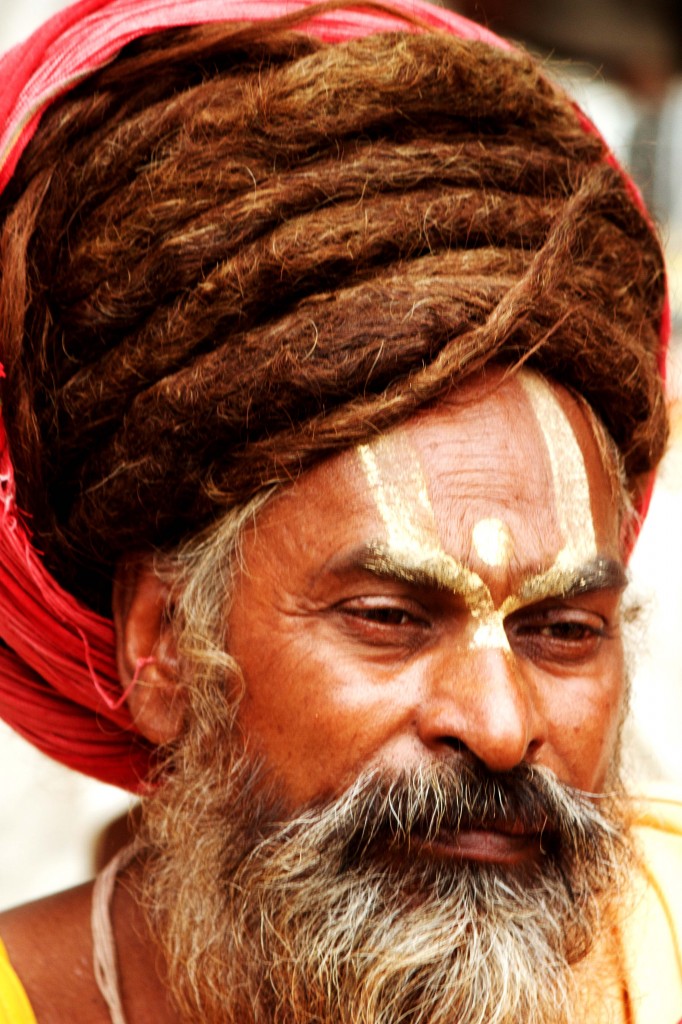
{"points": [[570, 631], [561, 636]]}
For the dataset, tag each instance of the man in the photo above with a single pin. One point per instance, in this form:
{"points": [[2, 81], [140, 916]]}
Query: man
{"points": [[332, 400]]}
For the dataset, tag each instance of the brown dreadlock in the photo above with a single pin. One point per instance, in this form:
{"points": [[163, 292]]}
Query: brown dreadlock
{"points": [[234, 251]]}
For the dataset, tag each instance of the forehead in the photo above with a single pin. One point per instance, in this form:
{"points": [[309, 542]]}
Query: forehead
{"points": [[515, 452]]}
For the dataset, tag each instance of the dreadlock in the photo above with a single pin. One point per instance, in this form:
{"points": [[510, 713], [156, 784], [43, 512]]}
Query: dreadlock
{"points": [[236, 250]]}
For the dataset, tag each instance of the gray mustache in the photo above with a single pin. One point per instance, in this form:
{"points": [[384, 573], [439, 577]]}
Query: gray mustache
{"points": [[451, 798]]}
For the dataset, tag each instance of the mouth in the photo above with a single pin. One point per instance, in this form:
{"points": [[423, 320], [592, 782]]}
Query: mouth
{"points": [[483, 844]]}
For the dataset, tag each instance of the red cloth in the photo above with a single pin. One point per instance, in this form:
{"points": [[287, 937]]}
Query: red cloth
{"points": [[59, 685]]}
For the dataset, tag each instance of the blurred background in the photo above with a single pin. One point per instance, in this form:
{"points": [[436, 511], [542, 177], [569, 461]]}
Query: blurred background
{"points": [[622, 59]]}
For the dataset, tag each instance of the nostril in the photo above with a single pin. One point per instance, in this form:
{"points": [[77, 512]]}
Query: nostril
{"points": [[454, 744], [533, 747]]}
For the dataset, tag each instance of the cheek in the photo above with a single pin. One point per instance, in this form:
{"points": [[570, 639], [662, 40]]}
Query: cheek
{"points": [[586, 717], [316, 720]]}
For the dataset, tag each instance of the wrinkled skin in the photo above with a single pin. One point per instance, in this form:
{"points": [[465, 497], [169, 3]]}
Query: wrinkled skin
{"points": [[346, 670]]}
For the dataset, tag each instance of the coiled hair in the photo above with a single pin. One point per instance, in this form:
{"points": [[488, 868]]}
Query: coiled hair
{"points": [[236, 250]]}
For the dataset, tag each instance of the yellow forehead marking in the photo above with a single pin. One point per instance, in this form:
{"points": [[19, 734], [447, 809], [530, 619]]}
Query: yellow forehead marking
{"points": [[571, 488], [402, 499], [490, 631], [400, 492], [492, 542]]}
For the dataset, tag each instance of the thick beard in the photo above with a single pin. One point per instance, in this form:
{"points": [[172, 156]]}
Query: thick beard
{"points": [[336, 916]]}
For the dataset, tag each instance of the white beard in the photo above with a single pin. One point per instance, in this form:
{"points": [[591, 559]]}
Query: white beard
{"points": [[329, 918]]}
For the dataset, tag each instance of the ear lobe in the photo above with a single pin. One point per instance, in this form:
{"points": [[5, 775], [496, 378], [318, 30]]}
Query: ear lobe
{"points": [[145, 650]]}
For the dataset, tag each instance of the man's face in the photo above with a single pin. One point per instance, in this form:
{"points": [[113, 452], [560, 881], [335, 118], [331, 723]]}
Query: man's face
{"points": [[428, 632], [448, 592]]}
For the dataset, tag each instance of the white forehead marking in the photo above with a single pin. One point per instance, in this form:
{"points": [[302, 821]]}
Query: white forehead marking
{"points": [[402, 498], [492, 541], [569, 474], [400, 491], [490, 632], [401, 495]]}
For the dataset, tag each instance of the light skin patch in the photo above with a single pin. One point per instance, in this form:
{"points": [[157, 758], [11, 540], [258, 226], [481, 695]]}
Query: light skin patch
{"points": [[414, 550]]}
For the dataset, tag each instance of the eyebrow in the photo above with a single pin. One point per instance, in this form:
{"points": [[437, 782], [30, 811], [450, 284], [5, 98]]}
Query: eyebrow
{"points": [[599, 573], [396, 565]]}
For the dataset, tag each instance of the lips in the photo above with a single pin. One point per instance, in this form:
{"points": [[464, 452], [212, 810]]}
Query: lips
{"points": [[460, 812], [508, 843]]}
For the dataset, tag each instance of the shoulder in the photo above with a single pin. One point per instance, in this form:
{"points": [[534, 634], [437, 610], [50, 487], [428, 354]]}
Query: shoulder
{"points": [[48, 961]]}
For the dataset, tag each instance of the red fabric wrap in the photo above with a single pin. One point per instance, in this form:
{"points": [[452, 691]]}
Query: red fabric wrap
{"points": [[59, 685]]}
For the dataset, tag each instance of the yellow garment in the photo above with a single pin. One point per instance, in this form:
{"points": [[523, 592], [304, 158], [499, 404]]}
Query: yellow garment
{"points": [[644, 960], [651, 931], [14, 1005]]}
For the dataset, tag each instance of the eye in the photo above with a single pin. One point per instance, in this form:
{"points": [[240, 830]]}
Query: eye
{"points": [[570, 632], [383, 616], [383, 620], [560, 635]]}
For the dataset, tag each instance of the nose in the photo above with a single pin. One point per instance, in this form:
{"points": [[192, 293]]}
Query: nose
{"points": [[480, 702]]}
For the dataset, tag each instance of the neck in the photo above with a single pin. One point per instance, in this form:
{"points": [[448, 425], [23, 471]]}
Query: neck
{"points": [[135, 955]]}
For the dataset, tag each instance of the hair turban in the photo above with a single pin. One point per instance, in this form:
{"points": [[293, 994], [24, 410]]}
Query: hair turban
{"points": [[229, 251]]}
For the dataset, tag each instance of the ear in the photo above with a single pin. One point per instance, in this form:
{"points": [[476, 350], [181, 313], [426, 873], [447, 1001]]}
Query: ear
{"points": [[145, 650]]}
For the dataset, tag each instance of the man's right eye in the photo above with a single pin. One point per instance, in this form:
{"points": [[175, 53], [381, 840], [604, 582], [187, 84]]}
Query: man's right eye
{"points": [[386, 616], [378, 617]]}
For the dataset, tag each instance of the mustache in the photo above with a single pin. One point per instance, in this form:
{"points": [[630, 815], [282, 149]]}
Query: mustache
{"points": [[450, 798]]}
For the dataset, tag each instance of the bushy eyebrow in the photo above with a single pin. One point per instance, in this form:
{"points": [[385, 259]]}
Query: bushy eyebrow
{"points": [[387, 563], [380, 561], [599, 573]]}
